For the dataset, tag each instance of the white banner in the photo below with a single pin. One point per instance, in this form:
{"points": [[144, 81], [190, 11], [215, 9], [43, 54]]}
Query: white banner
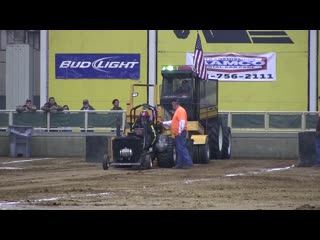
{"points": [[239, 67]]}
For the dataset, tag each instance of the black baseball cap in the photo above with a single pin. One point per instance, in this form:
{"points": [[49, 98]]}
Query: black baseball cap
{"points": [[176, 100]]}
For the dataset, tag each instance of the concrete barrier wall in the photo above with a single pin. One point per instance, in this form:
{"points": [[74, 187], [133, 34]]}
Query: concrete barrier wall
{"points": [[50, 146], [4, 145], [58, 146], [244, 145], [265, 145]]}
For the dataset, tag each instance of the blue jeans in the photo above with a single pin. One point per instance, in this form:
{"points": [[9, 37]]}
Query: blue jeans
{"points": [[317, 149], [183, 156]]}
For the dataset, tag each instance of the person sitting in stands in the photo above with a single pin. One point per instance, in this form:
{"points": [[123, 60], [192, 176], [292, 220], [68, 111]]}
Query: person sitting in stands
{"points": [[27, 107], [86, 105], [66, 107], [115, 104], [51, 106]]}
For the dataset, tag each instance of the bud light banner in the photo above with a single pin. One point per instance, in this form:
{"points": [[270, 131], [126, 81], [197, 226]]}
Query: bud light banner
{"points": [[101, 66], [239, 67]]}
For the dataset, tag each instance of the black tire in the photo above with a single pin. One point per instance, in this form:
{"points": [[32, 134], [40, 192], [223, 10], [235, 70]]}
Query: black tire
{"points": [[204, 152], [215, 133], [195, 155], [106, 162], [189, 145], [226, 145], [167, 158]]}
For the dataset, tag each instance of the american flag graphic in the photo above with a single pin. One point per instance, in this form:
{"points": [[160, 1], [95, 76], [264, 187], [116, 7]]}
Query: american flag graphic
{"points": [[198, 60]]}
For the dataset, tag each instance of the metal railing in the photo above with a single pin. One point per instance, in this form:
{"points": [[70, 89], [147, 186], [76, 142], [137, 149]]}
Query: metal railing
{"points": [[270, 121], [107, 120], [67, 121]]}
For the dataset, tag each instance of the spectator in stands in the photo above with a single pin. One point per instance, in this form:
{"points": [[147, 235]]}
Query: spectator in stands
{"points": [[115, 103], [51, 106], [86, 105], [27, 107], [66, 107]]}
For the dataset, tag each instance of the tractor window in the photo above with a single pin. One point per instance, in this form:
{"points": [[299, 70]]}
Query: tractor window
{"points": [[208, 93], [183, 87], [167, 86], [176, 86], [168, 113]]}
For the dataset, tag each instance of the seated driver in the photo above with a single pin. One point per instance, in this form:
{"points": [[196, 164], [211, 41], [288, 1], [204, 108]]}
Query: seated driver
{"points": [[184, 89], [144, 122]]}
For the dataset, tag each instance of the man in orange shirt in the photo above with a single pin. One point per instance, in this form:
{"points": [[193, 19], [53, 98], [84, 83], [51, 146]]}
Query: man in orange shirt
{"points": [[179, 130]]}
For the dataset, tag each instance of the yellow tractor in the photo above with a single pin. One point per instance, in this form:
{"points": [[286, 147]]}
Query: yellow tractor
{"points": [[207, 137]]}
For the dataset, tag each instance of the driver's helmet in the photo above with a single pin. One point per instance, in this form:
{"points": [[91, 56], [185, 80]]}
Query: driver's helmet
{"points": [[144, 116]]}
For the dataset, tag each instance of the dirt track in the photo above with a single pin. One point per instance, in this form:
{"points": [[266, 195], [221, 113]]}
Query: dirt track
{"points": [[72, 183]]}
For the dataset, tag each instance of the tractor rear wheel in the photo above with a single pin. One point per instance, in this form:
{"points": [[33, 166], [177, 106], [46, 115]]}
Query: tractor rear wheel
{"points": [[195, 155], [226, 145], [215, 133], [204, 152]]}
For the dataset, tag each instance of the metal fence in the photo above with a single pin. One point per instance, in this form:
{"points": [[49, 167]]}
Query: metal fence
{"points": [[66, 121], [107, 120], [273, 121]]}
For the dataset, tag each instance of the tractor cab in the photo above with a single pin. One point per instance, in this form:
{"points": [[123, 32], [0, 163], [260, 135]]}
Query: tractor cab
{"points": [[211, 140], [197, 96]]}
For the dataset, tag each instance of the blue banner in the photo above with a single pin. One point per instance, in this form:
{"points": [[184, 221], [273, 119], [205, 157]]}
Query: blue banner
{"points": [[106, 66]]}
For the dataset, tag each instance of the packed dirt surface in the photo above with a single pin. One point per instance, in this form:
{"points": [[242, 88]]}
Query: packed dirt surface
{"points": [[72, 183]]}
